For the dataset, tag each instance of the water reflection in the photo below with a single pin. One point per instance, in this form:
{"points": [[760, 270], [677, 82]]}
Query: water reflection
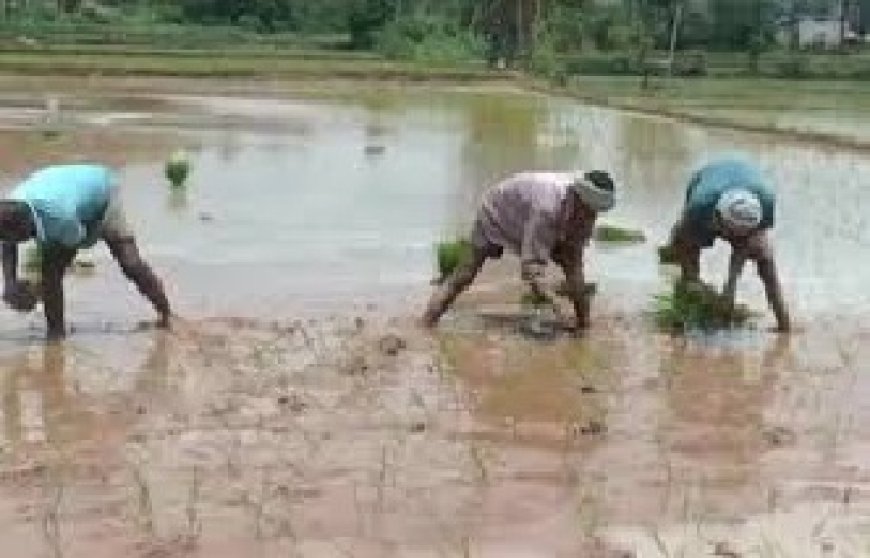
{"points": [[713, 428], [36, 406], [56, 395], [178, 199], [330, 195]]}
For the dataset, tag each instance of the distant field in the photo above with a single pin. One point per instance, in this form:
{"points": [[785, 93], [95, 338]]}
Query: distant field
{"points": [[808, 105], [833, 112], [723, 93], [290, 64]]}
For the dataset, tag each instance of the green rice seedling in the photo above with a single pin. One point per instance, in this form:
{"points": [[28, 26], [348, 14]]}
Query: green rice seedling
{"points": [[32, 260], [697, 306], [178, 168], [611, 233], [32, 264], [667, 255], [534, 300], [449, 254]]}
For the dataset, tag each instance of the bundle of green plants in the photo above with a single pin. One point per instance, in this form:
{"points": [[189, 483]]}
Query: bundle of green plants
{"points": [[178, 168], [31, 264], [32, 260], [667, 255], [697, 306], [449, 254], [532, 299], [612, 233]]}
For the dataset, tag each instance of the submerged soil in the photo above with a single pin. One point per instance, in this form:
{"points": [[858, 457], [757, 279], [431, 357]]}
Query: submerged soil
{"points": [[363, 437], [296, 410]]}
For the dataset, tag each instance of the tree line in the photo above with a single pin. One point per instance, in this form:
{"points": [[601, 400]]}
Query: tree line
{"points": [[497, 28]]}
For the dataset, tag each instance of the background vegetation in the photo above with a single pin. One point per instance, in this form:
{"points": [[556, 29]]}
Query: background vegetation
{"points": [[553, 38]]}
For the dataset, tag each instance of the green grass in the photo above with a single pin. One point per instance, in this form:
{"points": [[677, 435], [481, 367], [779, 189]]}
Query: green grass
{"points": [[773, 64], [237, 65], [612, 233], [154, 34], [814, 111], [534, 300], [727, 93], [248, 51], [31, 263], [31, 260], [697, 307], [177, 169]]}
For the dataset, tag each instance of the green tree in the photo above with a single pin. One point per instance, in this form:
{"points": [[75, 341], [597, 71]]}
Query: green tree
{"points": [[742, 24]]}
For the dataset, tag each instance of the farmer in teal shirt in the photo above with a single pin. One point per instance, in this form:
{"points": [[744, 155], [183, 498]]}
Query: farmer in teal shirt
{"points": [[65, 208], [729, 199]]}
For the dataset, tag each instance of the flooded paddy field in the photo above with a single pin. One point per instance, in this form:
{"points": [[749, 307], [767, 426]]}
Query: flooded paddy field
{"points": [[296, 410]]}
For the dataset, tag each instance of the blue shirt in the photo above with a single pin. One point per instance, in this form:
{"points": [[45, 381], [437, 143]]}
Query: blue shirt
{"points": [[707, 186], [68, 202]]}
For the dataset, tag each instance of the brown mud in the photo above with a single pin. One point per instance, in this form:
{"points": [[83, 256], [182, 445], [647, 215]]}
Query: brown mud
{"points": [[364, 437], [296, 410]]}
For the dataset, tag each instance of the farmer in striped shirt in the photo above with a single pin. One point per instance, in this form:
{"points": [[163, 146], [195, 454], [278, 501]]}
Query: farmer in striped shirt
{"points": [[541, 216]]}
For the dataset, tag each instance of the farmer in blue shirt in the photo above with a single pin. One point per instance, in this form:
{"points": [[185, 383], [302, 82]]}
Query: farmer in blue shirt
{"points": [[66, 208], [729, 199]]}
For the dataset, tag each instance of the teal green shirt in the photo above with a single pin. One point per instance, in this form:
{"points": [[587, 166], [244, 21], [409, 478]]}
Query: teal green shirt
{"points": [[707, 186], [68, 202]]}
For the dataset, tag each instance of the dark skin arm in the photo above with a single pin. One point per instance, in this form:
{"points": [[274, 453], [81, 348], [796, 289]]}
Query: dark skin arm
{"points": [[126, 253], [17, 294], [572, 265], [773, 289], [687, 252], [10, 266], [735, 269], [55, 261], [580, 226], [757, 249]]}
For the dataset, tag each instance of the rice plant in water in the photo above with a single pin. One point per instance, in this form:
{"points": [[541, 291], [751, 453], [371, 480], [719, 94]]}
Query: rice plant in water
{"points": [[449, 254], [178, 168], [697, 306], [611, 233]]}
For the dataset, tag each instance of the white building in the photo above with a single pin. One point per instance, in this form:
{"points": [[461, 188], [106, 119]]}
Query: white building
{"points": [[819, 33]]}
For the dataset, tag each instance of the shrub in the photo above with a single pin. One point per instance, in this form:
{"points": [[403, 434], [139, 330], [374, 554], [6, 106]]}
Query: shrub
{"points": [[429, 39], [793, 66]]}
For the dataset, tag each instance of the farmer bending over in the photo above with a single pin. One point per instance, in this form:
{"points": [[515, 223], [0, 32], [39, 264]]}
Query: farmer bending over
{"points": [[541, 216], [66, 208], [728, 199]]}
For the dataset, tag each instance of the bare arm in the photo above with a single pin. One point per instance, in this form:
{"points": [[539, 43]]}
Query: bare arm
{"points": [[773, 289], [10, 266], [535, 254], [126, 253], [686, 251], [735, 270], [575, 279], [15, 293], [55, 260], [759, 249]]}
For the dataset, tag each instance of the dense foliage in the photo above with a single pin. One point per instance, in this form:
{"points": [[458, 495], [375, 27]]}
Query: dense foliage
{"points": [[503, 31]]}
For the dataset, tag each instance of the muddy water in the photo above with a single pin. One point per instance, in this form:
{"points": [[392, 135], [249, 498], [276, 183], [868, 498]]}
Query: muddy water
{"points": [[283, 417]]}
